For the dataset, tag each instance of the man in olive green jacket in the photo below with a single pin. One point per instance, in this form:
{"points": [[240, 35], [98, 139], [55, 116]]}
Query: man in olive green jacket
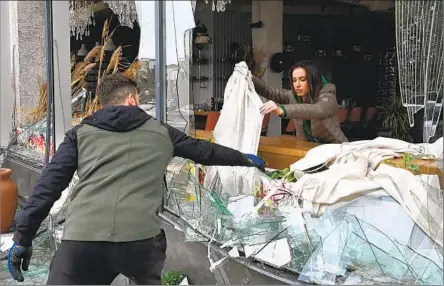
{"points": [[120, 154]]}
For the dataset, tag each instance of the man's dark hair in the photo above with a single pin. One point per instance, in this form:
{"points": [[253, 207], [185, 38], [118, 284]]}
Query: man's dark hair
{"points": [[115, 88]]}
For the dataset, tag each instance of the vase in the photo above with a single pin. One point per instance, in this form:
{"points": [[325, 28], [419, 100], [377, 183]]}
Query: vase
{"points": [[8, 199]]}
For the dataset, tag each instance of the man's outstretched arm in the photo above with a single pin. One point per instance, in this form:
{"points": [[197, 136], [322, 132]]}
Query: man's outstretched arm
{"points": [[55, 178], [207, 153]]}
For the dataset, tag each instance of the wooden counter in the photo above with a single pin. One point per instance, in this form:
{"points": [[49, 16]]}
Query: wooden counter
{"points": [[279, 152], [426, 167], [203, 134]]}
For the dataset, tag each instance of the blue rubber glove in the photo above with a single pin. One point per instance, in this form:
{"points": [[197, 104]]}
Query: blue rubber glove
{"points": [[256, 162], [18, 260]]}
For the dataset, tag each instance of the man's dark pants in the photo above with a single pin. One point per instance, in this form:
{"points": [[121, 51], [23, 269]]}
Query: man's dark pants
{"points": [[98, 263]]}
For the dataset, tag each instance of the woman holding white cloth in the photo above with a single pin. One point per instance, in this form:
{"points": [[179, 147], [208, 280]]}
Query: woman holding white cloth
{"points": [[311, 103]]}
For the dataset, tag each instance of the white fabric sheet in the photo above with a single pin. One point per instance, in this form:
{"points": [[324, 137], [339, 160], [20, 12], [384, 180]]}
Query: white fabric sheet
{"points": [[239, 127], [352, 175]]}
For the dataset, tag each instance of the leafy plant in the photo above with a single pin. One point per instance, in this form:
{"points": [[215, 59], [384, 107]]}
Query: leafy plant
{"points": [[289, 177], [286, 175], [407, 158], [172, 277], [394, 117], [407, 163]]}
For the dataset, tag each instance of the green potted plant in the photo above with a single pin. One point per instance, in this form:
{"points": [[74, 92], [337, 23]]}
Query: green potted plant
{"points": [[395, 118], [173, 277]]}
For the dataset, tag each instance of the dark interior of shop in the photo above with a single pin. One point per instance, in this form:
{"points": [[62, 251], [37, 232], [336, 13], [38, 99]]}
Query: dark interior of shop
{"points": [[121, 35], [354, 49], [355, 52]]}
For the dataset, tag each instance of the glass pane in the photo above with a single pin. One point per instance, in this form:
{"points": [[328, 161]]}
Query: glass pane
{"points": [[147, 55], [179, 25], [29, 80], [420, 36], [105, 39]]}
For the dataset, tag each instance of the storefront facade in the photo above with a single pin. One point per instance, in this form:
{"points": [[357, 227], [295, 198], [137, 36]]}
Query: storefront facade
{"points": [[175, 84]]}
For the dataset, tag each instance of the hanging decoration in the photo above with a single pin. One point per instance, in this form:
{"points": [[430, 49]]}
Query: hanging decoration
{"points": [[219, 5], [420, 49], [126, 10], [81, 16]]}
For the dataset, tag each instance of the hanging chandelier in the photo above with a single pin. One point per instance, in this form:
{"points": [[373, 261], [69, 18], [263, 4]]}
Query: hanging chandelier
{"points": [[81, 16], [219, 5], [125, 10]]}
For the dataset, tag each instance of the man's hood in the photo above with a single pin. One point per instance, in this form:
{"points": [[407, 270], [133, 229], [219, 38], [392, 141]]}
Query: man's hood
{"points": [[119, 118]]}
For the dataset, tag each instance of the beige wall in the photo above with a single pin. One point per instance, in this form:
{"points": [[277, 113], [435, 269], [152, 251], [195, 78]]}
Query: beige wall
{"points": [[269, 39], [6, 87], [23, 68], [31, 54]]}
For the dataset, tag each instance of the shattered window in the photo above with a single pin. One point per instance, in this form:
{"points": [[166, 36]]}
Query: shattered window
{"points": [[353, 244]]}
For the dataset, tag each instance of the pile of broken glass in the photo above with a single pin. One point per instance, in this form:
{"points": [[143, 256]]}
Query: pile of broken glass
{"points": [[344, 214], [348, 224]]}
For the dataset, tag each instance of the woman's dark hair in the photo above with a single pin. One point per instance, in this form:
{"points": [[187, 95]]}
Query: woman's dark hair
{"points": [[314, 77]]}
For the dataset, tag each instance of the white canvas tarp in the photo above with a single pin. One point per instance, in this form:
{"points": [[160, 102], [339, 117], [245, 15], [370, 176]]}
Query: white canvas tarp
{"points": [[353, 173]]}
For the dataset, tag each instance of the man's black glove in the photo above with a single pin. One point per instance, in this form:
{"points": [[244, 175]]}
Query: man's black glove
{"points": [[256, 162], [18, 260]]}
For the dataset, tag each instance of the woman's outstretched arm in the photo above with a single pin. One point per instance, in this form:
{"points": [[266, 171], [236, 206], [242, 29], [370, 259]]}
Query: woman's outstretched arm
{"points": [[278, 95], [325, 106]]}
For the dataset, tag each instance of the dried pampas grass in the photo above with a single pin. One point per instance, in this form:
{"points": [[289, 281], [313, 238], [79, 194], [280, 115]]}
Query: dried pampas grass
{"points": [[93, 55], [73, 62], [39, 112], [105, 31], [132, 70], [78, 77], [79, 72], [115, 60]]}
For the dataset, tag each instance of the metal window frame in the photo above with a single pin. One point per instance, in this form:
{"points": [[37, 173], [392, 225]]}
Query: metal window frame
{"points": [[160, 61]]}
